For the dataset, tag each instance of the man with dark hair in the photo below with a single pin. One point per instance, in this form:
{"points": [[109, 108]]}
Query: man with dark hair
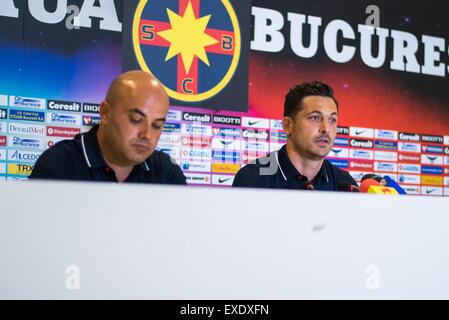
{"points": [[122, 147], [310, 122]]}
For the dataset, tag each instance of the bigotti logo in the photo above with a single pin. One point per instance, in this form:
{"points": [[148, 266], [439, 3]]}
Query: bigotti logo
{"points": [[409, 158], [361, 143], [196, 153], [361, 165], [432, 149], [433, 139], [409, 179], [255, 134], [255, 122], [409, 168], [91, 108], [361, 132], [428, 159], [64, 106], [386, 134], [18, 128], [3, 113], [22, 102], [385, 166], [196, 117], [234, 121], [196, 129], [64, 118], [409, 147], [222, 180], [194, 178], [22, 142], [344, 131], [62, 132], [414, 137], [196, 166], [17, 155], [227, 132], [361, 154]]}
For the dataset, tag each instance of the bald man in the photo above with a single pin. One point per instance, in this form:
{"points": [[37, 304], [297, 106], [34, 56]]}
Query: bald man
{"points": [[122, 147]]}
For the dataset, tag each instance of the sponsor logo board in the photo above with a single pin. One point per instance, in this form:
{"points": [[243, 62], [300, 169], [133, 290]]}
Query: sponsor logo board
{"points": [[3, 154], [3, 113], [358, 175], [255, 134], [62, 132], [409, 147], [228, 168], [171, 127], [226, 144], [431, 170], [340, 153], [385, 134], [226, 156], [64, 118], [196, 129], [361, 132], [386, 145], [91, 107], [276, 125], [25, 156], [26, 102], [56, 105], [90, 121], [361, 165], [339, 141], [431, 191], [196, 117], [361, 154], [385, 166], [409, 179], [409, 168], [432, 149], [3, 100], [227, 120], [258, 146], [196, 166], [26, 115], [432, 180], [340, 163], [431, 159], [196, 153], [432, 138], [255, 123], [26, 129], [358, 143], [197, 178], [19, 169], [25, 142], [222, 180], [227, 132], [385, 156], [344, 131], [409, 157], [412, 137], [412, 190]]}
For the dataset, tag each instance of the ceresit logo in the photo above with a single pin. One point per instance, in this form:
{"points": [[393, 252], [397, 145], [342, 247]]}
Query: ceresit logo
{"points": [[432, 159], [255, 134], [361, 154], [196, 117], [25, 156], [255, 123], [197, 178], [23, 102], [356, 143], [64, 118], [409, 147], [409, 179], [64, 106], [229, 168], [196, 129], [190, 37], [385, 134], [20, 169], [225, 144], [385, 166], [27, 129], [385, 156], [341, 153], [409, 168], [197, 166], [414, 137], [361, 132], [222, 180], [25, 142]]}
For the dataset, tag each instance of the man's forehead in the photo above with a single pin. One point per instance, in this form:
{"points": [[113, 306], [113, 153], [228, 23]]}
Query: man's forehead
{"points": [[319, 104]]}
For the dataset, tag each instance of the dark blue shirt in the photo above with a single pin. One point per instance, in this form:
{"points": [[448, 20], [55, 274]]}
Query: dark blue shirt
{"points": [[277, 171], [81, 159]]}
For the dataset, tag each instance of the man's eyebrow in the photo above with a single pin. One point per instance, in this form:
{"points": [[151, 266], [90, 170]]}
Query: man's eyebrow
{"points": [[319, 112], [160, 119], [136, 110]]}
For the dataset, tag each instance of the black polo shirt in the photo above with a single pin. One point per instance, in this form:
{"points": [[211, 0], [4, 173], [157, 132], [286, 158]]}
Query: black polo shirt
{"points": [[277, 171], [81, 159]]}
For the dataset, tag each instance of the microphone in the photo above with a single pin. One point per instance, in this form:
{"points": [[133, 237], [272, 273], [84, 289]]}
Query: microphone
{"points": [[347, 187], [366, 183], [393, 184]]}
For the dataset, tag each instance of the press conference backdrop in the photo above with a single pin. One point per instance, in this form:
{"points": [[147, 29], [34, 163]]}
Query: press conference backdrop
{"points": [[57, 60]]}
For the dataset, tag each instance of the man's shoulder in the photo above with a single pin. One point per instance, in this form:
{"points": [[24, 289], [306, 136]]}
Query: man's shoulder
{"points": [[341, 174], [257, 173], [165, 168]]}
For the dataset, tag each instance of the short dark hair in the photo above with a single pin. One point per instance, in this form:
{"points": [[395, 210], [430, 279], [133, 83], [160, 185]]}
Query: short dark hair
{"points": [[294, 97]]}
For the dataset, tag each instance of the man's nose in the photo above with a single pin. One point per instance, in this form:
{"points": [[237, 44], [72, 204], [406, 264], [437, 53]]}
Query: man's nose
{"points": [[146, 132], [324, 126]]}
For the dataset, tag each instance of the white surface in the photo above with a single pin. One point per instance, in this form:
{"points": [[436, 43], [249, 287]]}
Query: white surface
{"points": [[156, 242]]}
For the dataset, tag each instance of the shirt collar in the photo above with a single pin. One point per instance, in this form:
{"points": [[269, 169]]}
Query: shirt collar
{"points": [[92, 153], [289, 171]]}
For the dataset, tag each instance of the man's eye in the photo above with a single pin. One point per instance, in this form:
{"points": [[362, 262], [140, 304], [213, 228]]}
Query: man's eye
{"points": [[333, 120], [157, 126], [314, 118], [135, 120]]}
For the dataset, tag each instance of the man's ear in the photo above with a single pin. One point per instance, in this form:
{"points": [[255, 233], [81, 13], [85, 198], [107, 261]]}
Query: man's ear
{"points": [[287, 125], [105, 110]]}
